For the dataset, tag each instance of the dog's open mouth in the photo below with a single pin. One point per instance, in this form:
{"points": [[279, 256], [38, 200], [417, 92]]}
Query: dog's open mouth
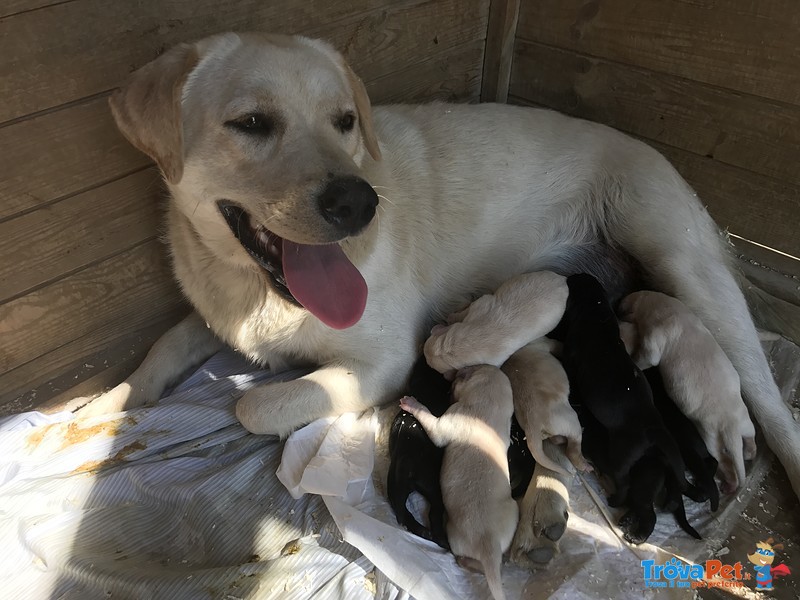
{"points": [[319, 278]]}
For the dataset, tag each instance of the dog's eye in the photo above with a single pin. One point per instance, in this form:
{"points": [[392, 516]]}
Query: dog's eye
{"points": [[255, 123], [345, 122]]}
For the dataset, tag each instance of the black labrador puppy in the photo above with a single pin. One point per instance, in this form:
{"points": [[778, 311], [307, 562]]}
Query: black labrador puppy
{"points": [[416, 462], [624, 435], [693, 449]]}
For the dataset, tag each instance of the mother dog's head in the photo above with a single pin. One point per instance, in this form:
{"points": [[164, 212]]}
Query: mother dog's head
{"points": [[261, 139]]}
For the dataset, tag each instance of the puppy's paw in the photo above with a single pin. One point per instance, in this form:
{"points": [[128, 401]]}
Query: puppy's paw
{"points": [[410, 404], [550, 512], [529, 551], [636, 528]]}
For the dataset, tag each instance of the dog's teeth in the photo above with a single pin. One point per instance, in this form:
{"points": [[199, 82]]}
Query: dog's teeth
{"points": [[273, 249], [263, 237]]}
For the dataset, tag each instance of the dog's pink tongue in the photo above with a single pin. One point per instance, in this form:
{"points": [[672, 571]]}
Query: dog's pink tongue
{"points": [[325, 282]]}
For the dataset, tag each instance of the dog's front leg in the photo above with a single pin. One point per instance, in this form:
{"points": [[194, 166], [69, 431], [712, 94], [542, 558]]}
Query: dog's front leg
{"points": [[333, 389], [187, 344]]}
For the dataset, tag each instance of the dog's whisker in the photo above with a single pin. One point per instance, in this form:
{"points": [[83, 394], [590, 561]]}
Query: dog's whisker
{"points": [[385, 198]]}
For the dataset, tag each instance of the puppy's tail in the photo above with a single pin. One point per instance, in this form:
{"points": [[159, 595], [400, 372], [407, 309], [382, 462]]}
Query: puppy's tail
{"points": [[490, 563], [674, 504], [537, 449]]}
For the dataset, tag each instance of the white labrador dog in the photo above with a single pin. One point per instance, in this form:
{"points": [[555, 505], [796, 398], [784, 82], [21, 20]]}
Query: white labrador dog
{"points": [[475, 433], [267, 144], [697, 376]]}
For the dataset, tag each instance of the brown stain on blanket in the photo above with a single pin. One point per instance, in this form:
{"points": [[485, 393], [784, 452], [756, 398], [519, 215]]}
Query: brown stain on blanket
{"points": [[95, 465], [72, 432]]}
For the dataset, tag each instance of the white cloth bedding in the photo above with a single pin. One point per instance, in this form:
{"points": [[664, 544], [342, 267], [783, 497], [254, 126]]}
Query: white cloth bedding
{"points": [[178, 501]]}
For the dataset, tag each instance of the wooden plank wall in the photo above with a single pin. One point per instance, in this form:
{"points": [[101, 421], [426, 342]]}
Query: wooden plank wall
{"points": [[712, 84], [85, 285]]}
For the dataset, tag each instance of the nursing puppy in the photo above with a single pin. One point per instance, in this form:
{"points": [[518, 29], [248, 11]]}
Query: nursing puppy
{"points": [[494, 326], [652, 482], [482, 515], [541, 401], [610, 389], [274, 160], [695, 454], [415, 461], [697, 375]]}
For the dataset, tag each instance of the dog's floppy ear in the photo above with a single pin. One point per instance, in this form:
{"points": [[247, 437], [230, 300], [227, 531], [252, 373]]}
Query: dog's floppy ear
{"points": [[147, 108], [364, 112]]}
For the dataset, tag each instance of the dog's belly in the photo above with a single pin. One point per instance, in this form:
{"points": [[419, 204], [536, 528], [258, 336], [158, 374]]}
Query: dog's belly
{"points": [[479, 194]]}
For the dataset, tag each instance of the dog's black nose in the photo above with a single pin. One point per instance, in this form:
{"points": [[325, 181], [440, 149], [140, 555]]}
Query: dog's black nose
{"points": [[348, 203]]}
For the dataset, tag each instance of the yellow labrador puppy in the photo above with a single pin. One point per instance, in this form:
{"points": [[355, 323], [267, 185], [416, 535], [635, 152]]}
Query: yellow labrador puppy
{"points": [[307, 228], [697, 375], [541, 402], [475, 433], [496, 325]]}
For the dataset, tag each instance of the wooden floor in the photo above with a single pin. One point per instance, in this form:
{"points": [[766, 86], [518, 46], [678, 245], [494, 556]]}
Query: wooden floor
{"points": [[774, 511]]}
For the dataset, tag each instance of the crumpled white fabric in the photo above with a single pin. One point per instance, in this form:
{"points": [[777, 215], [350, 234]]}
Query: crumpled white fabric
{"points": [[334, 458], [178, 501], [174, 502]]}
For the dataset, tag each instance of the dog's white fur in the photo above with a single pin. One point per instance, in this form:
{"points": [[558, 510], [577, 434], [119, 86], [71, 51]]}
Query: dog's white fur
{"points": [[473, 195], [541, 401], [475, 434], [697, 375], [494, 326]]}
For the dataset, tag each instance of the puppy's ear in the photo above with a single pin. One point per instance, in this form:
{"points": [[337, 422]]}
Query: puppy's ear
{"points": [[364, 112], [147, 108]]}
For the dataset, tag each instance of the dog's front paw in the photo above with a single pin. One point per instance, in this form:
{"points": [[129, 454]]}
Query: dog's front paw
{"points": [[117, 399], [280, 408]]}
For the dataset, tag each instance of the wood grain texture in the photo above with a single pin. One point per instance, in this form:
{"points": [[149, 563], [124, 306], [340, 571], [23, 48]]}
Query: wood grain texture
{"points": [[738, 129], [84, 366], [752, 206], [129, 290], [46, 64], [500, 36], [13, 7], [748, 46], [61, 153], [59, 238], [452, 76]]}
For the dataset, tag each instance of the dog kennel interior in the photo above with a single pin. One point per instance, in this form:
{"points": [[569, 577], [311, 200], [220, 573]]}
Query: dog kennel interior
{"points": [[85, 283]]}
